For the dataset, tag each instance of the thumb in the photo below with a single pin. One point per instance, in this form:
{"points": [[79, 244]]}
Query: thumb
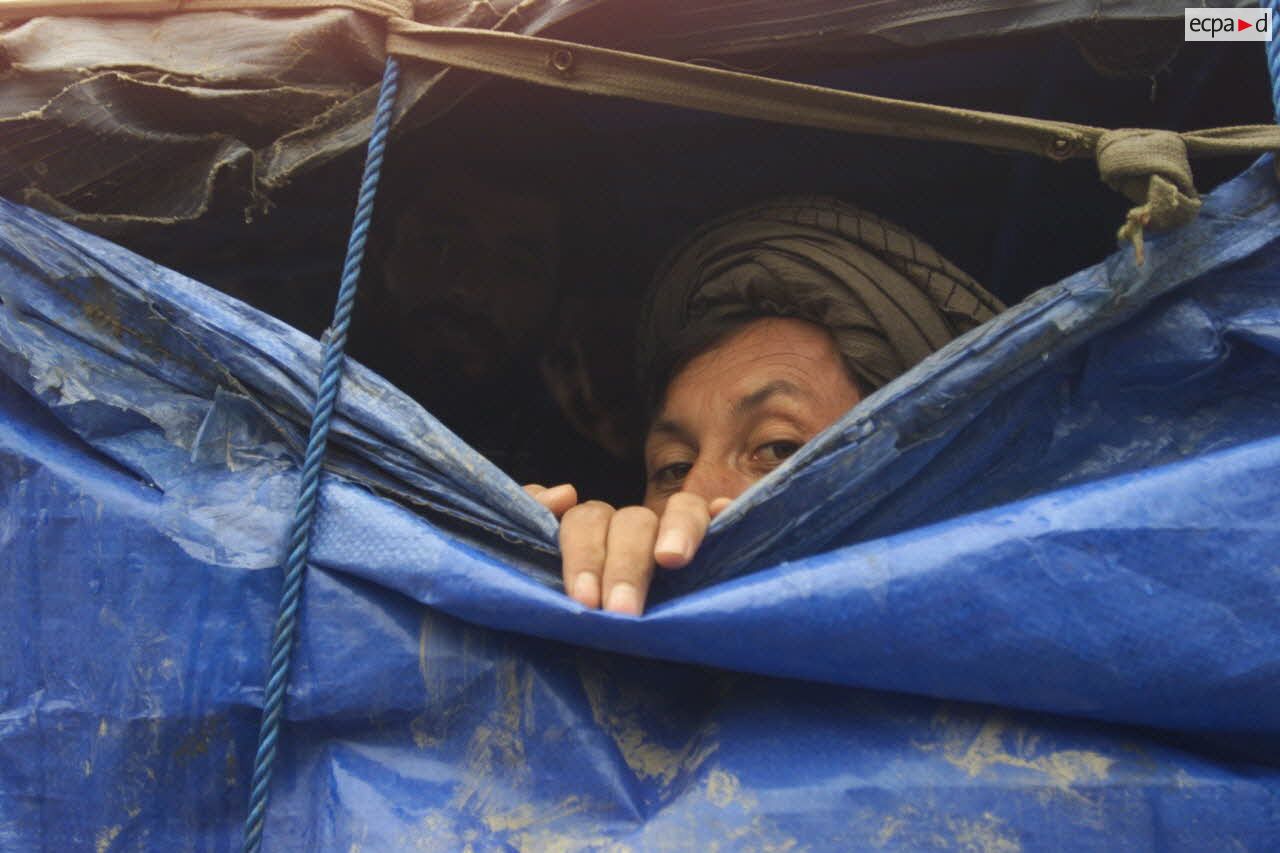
{"points": [[558, 499]]}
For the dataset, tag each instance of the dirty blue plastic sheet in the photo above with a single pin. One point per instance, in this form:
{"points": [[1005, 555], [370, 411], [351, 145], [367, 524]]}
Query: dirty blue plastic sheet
{"points": [[1059, 534]]}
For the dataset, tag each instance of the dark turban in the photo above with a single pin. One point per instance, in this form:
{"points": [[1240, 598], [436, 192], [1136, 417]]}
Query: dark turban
{"points": [[888, 298]]}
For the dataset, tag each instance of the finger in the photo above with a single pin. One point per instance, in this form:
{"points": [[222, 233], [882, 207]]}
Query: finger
{"points": [[718, 506], [558, 499], [684, 523], [584, 531], [628, 563]]}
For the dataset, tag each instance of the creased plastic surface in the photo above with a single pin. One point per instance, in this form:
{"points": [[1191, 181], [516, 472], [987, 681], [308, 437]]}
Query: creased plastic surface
{"points": [[120, 121], [1069, 516]]}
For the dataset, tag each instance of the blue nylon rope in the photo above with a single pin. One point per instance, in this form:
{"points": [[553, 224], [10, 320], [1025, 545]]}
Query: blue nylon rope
{"points": [[1273, 56], [322, 414]]}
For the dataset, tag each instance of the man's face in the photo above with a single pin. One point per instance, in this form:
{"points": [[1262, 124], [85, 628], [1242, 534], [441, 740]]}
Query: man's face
{"points": [[736, 411]]}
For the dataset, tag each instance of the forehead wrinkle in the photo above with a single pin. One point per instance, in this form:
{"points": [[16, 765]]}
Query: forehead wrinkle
{"points": [[748, 403], [736, 368], [780, 352]]}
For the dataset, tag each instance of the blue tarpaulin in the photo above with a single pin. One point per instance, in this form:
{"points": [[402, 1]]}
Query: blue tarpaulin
{"points": [[1022, 598]]}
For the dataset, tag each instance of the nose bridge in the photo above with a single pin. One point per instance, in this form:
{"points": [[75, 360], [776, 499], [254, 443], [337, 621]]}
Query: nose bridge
{"points": [[713, 478]]}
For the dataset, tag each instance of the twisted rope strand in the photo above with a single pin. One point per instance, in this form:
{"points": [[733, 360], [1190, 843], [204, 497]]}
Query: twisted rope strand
{"points": [[322, 415], [1273, 56]]}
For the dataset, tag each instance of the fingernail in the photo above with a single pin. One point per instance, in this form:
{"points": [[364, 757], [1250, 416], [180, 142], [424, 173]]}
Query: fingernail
{"points": [[586, 589], [624, 598], [560, 489], [673, 543]]}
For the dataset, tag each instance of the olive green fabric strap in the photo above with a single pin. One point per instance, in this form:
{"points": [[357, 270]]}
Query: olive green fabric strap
{"points": [[599, 71], [1150, 166], [16, 9]]}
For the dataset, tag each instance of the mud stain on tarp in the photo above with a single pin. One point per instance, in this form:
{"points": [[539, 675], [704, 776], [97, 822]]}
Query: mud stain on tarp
{"points": [[914, 827], [717, 814], [997, 743], [722, 788], [993, 747], [494, 803], [544, 841], [618, 707], [105, 838], [527, 816], [482, 716], [470, 659], [985, 834], [532, 830], [525, 828], [231, 766], [104, 306], [197, 744], [495, 755], [744, 829]]}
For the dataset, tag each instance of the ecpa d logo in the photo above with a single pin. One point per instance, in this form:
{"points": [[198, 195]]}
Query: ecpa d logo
{"points": [[1227, 24]]}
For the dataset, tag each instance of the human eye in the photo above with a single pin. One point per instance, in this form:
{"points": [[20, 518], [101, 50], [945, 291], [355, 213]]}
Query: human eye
{"points": [[774, 453], [670, 476]]}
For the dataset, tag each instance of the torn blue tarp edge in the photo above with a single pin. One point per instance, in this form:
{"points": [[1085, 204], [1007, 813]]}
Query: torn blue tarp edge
{"points": [[859, 616], [252, 352], [1110, 290], [494, 591], [1238, 219]]}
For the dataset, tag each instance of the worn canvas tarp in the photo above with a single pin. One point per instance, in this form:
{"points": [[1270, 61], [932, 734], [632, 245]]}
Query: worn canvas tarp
{"points": [[122, 121], [1024, 597]]}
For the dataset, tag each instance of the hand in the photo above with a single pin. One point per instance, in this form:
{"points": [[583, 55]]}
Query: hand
{"points": [[609, 554]]}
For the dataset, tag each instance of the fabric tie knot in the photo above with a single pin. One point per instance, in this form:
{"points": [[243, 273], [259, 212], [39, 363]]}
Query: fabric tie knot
{"points": [[1151, 168]]}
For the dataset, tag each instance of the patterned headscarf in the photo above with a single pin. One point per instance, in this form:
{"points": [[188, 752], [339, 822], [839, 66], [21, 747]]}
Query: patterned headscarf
{"points": [[888, 299]]}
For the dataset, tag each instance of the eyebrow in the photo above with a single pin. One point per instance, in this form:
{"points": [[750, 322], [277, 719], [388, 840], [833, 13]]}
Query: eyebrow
{"points": [[666, 426], [745, 405], [760, 396]]}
